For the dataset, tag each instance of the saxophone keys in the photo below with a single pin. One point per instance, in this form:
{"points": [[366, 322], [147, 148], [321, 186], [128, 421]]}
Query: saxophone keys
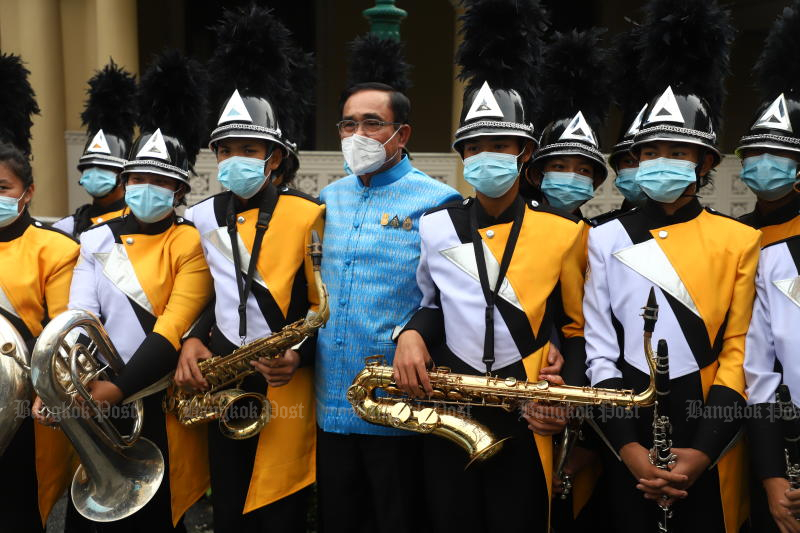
{"points": [[428, 419], [400, 413]]}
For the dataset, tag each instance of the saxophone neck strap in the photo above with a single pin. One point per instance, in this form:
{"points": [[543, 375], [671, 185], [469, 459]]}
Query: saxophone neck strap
{"points": [[490, 293], [244, 282]]}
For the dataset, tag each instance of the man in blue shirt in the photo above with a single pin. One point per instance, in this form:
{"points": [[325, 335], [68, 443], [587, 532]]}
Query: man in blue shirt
{"points": [[370, 260]]}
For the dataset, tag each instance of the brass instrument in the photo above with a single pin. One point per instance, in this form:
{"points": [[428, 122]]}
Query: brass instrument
{"points": [[395, 409], [222, 373], [15, 383], [118, 474], [791, 435]]}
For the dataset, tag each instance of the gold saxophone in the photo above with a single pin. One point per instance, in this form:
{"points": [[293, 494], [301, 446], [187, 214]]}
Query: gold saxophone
{"points": [[395, 409], [222, 373]]}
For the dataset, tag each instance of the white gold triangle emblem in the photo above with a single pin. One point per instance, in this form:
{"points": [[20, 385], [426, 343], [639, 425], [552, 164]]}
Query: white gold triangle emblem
{"points": [[776, 117], [484, 104], [791, 288], [579, 130], [666, 109], [463, 256], [99, 145], [649, 260], [155, 147], [636, 125], [235, 111]]}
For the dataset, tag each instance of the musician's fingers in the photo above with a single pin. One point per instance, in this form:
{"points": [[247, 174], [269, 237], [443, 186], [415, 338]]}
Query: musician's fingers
{"points": [[671, 477]]}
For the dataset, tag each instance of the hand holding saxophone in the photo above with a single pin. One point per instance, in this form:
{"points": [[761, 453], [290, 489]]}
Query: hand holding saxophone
{"points": [[188, 375], [278, 371], [411, 363]]}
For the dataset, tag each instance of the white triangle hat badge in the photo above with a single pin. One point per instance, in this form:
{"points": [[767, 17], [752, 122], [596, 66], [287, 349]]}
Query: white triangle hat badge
{"points": [[99, 145], [579, 130], [666, 109], [235, 111], [155, 147], [484, 104], [776, 117], [636, 125]]}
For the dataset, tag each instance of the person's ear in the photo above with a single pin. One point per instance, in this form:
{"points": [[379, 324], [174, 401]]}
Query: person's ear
{"points": [[179, 194], [527, 152], [534, 176], [274, 161], [403, 135], [28, 194], [707, 162]]}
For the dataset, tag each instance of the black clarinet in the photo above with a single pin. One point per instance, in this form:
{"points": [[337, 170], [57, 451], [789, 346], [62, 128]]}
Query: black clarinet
{"points": [[661, 455], [790, 427]]}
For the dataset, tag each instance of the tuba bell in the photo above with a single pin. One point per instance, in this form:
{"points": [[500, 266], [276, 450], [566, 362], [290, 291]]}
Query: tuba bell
{"points": [[119, 473], [15, 384]]}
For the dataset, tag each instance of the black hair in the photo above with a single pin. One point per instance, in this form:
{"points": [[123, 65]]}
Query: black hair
{"points": [[398, 102], [17, 162]]}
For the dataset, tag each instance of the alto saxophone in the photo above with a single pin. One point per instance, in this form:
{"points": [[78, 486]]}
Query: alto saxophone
{"points": [[395, 409], [223, 373], [791, 435]]}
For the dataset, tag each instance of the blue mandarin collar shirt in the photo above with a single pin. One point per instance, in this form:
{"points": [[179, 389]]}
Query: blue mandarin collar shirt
{"points": [[370, 257]]}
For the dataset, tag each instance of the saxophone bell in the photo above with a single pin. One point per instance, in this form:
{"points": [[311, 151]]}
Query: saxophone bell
{"points": [[119, 473]]}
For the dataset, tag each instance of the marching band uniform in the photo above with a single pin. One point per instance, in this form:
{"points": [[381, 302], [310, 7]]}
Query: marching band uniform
{"points": [[772, 176], [110, 117], [371, 253], [149, 282], [36, 264], [261, 483], [704, 323], [575, 111], [767, 168], [534, 292]]}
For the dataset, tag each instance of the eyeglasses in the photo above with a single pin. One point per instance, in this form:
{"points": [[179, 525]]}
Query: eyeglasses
{"points": [[369, 125]]}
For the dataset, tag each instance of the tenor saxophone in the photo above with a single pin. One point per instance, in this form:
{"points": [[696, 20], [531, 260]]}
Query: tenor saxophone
{"points": [[223, 373], [395, 409]]}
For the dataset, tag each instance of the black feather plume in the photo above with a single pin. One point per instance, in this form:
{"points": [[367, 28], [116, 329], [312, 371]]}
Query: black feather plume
{"points": [[172, 96], [17, 103], [502, 44], [778, 67], [686, 44], [575, 77], [374, 59], [626, 80], [295, 107], [111, 105], [252, 55]]}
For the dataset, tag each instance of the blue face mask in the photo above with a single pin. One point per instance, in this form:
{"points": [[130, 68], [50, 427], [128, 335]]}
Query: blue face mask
{"points": [[626, 183], [664, 180], [491, 173], [769, 176], [149, 203], [9, 210], [567, 190], [98, 181], [243, 176]]}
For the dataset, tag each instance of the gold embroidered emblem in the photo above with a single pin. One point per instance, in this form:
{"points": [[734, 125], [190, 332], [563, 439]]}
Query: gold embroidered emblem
{"points": [[407, 224], [384, 219]]}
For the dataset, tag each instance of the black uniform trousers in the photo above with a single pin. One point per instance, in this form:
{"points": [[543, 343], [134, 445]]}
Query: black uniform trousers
{"points": [[506, 493], [370, 484], [231, 466], [19, 500]]}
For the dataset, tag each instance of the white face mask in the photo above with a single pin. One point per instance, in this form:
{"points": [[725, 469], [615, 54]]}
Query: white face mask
{"points": [[365, 155]]}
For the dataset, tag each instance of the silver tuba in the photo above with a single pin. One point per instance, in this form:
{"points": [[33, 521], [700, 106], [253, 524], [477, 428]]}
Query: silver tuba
{"points": [[119, 474], [15, 384]]}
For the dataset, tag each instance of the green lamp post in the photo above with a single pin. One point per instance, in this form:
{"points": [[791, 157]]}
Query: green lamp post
{"points": [[384, 19]]}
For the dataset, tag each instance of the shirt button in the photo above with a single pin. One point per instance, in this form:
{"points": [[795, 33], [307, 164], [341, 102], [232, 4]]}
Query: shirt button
{"points": [[129, 240], [347, 262], [663, 234], [99, 219], [180, 220], [342, 302], [338, 341], [355, 224], [534, 203], [489, 234], [240, 220]]}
